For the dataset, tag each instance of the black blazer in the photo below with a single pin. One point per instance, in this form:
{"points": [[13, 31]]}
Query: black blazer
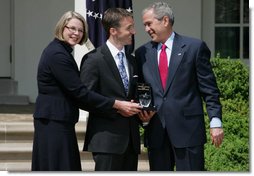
{"points": [[190, 81], [61, 91], [109, 132]]}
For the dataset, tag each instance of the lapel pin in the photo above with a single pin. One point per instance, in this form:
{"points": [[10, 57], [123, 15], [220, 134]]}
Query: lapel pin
{"points": [[179, 54]]}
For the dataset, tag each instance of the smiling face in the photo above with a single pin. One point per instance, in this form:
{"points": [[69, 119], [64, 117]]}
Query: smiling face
{"points": [[159, 30], [73, 31], [124, 33]]}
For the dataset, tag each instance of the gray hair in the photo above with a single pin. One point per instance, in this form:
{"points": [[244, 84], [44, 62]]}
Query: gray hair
{"points": [[160, 10]]}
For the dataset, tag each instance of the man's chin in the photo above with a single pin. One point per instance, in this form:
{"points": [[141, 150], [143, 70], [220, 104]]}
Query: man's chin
{"points": [[154, 39]]}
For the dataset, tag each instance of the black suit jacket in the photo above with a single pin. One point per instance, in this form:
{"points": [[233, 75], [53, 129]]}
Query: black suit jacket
{"points": [[109, 132], [60, 90], [190, 80]]}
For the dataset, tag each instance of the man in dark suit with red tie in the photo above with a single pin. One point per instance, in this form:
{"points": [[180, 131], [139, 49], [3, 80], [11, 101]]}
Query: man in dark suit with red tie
{"points": [[180, 74], [113, 138]]}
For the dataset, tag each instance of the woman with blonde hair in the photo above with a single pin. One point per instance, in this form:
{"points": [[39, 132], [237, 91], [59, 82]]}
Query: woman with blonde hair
{"points": [[60, 95]]}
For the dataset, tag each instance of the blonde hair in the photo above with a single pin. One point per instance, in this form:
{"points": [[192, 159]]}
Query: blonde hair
{"points": [[64, 21]]}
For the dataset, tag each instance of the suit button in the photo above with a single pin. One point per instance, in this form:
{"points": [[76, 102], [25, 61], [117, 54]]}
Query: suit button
{"points": [[164, 99]]}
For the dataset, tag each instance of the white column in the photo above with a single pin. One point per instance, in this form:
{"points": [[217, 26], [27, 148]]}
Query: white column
{"points": [[81, 50]]}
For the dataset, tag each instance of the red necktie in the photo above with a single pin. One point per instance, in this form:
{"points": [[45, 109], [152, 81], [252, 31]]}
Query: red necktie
{"points": [[163, 66]]}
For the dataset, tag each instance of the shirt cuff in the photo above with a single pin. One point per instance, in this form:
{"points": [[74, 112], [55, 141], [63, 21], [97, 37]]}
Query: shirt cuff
{"points": [[215, 123]]}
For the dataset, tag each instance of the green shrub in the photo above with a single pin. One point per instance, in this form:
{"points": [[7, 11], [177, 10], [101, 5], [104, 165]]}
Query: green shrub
{"points": [[233, 81], [232, 78]]}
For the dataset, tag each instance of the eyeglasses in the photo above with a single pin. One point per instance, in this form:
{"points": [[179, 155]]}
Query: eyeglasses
{"points": [[73, 29]]}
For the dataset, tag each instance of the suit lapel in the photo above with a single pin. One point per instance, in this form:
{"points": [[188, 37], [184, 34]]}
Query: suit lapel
{"points": [[113, 67], [130, 61], [111, 63], [130, 67], [176, 58], [152, 64]]}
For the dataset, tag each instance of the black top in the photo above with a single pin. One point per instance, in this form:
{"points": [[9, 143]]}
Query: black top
{"points": [[61, 92]]}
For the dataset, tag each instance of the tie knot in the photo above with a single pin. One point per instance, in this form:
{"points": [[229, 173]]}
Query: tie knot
{"points": [[120, 55], [163, 46]]}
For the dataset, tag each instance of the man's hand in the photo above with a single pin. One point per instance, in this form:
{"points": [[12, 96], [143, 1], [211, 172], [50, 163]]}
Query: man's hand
{"points": [[127, 108], [217, 136], [145, 116]]}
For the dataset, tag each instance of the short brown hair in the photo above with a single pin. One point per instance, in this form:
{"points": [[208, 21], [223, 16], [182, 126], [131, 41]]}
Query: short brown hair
{"points": [[63, 22], [112, 18]]}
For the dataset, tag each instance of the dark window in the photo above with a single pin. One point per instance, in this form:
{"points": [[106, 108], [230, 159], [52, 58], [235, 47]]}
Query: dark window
{"points": [[232, 28], [246, 42], [227, 42], [227, 11], [246, 11]]}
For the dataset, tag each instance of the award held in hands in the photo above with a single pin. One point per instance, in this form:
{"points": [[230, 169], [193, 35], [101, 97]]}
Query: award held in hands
{"points": [[144, 96]]}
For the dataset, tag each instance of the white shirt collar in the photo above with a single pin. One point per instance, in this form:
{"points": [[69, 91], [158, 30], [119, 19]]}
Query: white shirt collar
{"points": [[114, 51], [169, 42]]}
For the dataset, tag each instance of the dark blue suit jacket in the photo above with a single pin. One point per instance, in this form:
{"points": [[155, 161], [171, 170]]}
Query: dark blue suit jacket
{"points": [[190, 81], [61, 92]]}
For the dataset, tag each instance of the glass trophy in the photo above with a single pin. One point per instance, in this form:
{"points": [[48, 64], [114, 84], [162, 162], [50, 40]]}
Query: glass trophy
{"points": [[144, 96]]}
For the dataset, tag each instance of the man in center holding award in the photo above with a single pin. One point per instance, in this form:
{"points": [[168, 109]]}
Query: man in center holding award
{"points": [[113, 138]]}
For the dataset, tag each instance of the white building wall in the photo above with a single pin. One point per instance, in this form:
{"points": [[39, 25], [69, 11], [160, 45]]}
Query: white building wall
{"points": [[208, 24], [34, 23], [187, 18]]}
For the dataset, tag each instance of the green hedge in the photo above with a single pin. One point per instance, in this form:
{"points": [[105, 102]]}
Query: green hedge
{"points": [[232, 77], [233, 81]]}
